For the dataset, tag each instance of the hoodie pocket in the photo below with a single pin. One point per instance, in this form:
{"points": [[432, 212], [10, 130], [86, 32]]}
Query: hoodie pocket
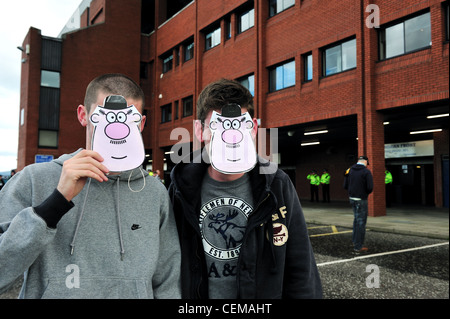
{"points": [[96, 288]]}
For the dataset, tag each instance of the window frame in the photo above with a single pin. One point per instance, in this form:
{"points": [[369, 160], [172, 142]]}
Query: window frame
{"points": [[228, 28], [382, 42], [188, 48], [215, 33], [166, 110], [273, 86], [184, 102], [306, 64], [44, 77], [248, 81], [251, 23], [167, 62], [41, 139], [339, 45], [274, 12]]}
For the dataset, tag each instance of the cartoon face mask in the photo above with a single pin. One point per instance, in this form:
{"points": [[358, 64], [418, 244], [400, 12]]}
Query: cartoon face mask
{"points": [[232, 149], [117, 137]]}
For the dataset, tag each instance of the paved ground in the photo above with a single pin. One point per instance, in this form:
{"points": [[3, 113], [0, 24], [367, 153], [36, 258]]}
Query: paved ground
{"points": [[419, 221], [396, 266], [428, 222]]}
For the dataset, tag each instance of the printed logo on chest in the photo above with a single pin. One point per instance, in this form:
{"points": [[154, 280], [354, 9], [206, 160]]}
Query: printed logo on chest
{"points": [[222, 223]]}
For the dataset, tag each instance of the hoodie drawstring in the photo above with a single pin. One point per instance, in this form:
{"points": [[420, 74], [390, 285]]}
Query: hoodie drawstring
{"points": [[72, 245], [122, 250]]}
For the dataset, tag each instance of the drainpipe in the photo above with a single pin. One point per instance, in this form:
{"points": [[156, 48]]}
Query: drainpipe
{"points": [[363, 80]]}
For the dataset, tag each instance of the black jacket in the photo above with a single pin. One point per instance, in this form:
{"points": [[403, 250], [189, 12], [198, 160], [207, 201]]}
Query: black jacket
{"points": [[358, 182], [264, 270]]}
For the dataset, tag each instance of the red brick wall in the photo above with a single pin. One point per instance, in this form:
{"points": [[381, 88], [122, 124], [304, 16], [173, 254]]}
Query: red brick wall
{"points": [[29, 99], [110, 47], [116, 45]]}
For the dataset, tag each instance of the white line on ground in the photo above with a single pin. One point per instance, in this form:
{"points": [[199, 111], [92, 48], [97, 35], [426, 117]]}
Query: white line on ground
{"points": [[380, 254]]}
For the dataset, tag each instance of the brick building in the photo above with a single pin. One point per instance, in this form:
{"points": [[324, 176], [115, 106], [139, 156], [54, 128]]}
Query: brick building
{"points": [[364, 74]]}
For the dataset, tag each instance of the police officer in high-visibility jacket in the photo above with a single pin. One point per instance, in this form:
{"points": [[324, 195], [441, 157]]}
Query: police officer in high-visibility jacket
{"points": [[388, 181], [325, 181], [314, 181]]}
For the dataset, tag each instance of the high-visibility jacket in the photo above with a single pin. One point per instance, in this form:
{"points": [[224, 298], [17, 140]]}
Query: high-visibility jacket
{"points": [[325, 178], [314, 179], [388, 177]]}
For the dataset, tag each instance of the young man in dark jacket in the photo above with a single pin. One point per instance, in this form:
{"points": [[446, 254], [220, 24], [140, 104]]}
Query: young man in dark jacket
{"points": [[359, 183], [242, 235]]}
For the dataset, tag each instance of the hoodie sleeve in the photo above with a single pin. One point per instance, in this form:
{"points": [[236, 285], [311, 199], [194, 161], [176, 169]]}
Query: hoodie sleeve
{"points": [[166, 280], [24, 233]]}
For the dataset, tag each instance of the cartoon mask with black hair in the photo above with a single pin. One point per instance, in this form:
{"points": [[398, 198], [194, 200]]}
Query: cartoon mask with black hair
{"points": [[117, 136], [232, 149]]}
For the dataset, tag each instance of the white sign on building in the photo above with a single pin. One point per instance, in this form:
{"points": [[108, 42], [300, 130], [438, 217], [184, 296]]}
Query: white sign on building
{"points": [[409, 149]]}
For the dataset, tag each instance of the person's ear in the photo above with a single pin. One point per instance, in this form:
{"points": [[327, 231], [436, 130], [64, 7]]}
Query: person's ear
{"points": [[198, 128], [144, 118], [255, 128], [83, 116]]}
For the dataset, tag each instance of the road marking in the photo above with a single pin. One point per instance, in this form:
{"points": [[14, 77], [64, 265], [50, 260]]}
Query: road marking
{"points": [[380, 254], [329, 234], [334, 231]]}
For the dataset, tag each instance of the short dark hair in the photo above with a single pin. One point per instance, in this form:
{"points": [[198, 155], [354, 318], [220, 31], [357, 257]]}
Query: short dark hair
{"points": [[220, 93], [114, 83]]}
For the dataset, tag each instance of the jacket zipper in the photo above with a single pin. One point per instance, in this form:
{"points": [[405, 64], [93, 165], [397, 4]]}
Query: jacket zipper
{"points": [[243, 241]]}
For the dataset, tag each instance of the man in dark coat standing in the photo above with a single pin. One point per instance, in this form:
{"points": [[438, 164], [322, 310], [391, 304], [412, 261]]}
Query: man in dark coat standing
{"points": [[359, 183]]}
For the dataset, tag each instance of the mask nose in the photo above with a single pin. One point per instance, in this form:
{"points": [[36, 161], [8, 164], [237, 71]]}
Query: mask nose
{"points": [[117, 131], [232, 136]]}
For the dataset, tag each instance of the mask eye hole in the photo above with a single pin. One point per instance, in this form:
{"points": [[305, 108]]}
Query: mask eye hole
{"points": [[121, 117], [111, 117], [227, 124], [236, 124]]}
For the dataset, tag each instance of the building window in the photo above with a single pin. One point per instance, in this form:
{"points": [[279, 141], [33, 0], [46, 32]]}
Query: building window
{"points": [[48, 139], [22, 117], [188, 106], [277, 6], [248, 82], [282, 76], [213, 38], [166, 113], [246, 20], [407, 36], [50, 79], [339, 58], [308, 67], [189, 51], [167, 63], [227, 28]]}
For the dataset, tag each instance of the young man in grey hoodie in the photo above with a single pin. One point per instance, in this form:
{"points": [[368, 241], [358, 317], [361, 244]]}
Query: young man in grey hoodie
{"points": [[76, 231]]}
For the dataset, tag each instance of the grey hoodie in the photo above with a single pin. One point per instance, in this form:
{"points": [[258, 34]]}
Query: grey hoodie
{"points": [[113, 240]]}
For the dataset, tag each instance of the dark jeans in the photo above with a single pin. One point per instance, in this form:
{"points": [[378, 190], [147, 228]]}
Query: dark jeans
{"points": [[360, 210], [326, 192], [314, 192]]}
